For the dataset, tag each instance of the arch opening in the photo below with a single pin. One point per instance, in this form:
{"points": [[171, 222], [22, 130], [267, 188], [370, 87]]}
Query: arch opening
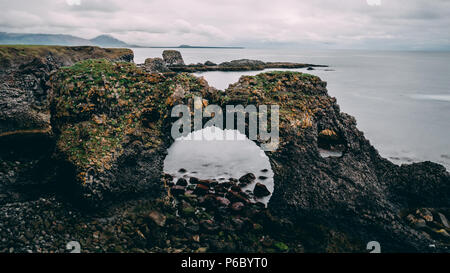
{"points": [[223, 160]]}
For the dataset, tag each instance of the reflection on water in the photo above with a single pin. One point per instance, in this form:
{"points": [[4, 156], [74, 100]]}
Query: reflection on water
{"points": [[219, 159]]}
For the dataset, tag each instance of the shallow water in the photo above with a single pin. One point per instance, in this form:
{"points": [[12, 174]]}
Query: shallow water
{"points": [[401, 100], [218, 158]]}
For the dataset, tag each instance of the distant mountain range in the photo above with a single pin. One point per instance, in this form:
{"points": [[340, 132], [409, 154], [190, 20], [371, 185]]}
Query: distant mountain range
{"points": [[70, 40], [59, 39]]}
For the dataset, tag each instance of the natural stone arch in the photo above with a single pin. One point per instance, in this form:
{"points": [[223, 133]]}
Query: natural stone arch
{"points": [[208, 157], [126, 111]]}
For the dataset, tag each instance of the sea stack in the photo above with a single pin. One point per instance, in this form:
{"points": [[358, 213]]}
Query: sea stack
{"points": [[172, 57]]}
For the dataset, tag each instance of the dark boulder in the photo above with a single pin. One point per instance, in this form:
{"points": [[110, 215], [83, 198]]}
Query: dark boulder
{"points": [[260, 190], [182, 182], [201, 189], [194, 180], [178, 190], [173, 58], [247, 179], [209, 63]]}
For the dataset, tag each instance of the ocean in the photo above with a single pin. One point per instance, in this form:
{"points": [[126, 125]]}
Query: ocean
{"points": [[401, 100]]}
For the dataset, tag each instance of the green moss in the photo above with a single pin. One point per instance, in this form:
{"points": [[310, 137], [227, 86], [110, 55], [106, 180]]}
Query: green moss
{"points": [[298, 95], [281, 246], [98, 105], [189, 211], [20, 54], [270, 80]]}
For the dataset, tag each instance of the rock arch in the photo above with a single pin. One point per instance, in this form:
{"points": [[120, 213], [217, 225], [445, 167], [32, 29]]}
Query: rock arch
{"points": [[104, 113]]}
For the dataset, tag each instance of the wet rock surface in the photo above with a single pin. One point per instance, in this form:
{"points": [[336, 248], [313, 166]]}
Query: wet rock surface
{"points": [[111, 130], [224, 191]]}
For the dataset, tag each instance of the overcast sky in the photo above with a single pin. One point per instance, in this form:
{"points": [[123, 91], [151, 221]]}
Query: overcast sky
{"points": [[391, 24]]}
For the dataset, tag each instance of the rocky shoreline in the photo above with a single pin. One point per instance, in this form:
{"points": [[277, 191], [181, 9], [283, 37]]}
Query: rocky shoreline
{"points": [[83, 137], [172, 61]]}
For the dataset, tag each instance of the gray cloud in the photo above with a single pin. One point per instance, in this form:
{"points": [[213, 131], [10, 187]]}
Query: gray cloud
{"points": [[95, 6], [409, 24]]}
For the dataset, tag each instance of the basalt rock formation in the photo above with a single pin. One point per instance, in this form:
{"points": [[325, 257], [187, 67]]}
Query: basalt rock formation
{"points": [[172, 58], [239, 65], [24, 72], [174, 63], [26, 140], [351, 192], [111, 125]]}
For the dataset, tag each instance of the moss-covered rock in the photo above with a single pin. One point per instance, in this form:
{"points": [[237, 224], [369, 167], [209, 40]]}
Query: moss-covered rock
{"points": [[25, 131], [349, 193], [24, 71], [111, 121]]}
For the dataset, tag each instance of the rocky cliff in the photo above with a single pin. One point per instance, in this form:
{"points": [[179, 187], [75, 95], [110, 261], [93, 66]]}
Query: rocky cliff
{"points": [[24, 72], [352, 192], [111, 124], [25, 129]]}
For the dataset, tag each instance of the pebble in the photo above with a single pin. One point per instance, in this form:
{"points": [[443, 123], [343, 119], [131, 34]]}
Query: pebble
{"points": [[158, 218], [444, 220], [223, 202], [237, 206]]}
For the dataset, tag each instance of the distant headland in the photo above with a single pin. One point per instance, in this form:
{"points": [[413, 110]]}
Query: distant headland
{"points": [[189, 46], [70, 40]]}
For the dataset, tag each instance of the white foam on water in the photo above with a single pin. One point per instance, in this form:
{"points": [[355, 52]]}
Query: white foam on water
{"points": [[442, 97]]}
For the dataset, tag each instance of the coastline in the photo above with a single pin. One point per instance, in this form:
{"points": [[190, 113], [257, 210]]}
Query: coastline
{"points": [[311, 193]]}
